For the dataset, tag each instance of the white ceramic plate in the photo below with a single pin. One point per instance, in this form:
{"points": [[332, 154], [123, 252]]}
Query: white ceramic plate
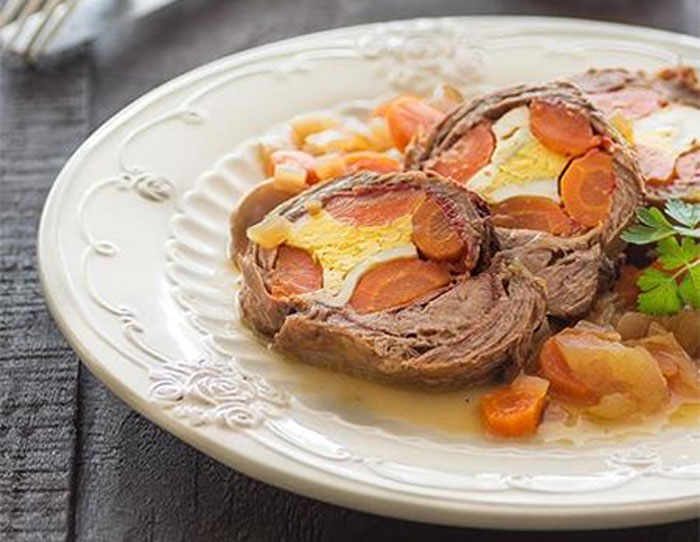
{"points": [[132, 250]]}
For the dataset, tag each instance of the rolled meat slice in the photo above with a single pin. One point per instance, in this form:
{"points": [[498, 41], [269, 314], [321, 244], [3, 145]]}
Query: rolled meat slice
{"points": [[392, 277], [659, 114], [559, 180]]}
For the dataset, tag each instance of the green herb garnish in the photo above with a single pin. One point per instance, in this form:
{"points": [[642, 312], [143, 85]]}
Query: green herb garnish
{"points": [[677, 282]]}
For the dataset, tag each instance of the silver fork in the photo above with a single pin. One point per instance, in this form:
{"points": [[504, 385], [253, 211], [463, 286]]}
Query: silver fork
{"points": [[27, 26]]}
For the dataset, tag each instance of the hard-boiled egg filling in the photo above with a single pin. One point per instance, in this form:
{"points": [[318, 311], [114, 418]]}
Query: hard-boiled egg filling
{"points": [[339, 247], [674, 129], [520, 164]]}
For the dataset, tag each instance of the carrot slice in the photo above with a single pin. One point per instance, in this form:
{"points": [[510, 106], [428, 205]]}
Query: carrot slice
{"points": [[633, 103], [532, 213], [295, 273], [300, 159], [561, 128], [433, 233], [688, 167], [656, 165], [407, 116], [468, 155], [382, 108], [587, 187], [396, 283], [371, 161], [564, 383], [515, 411], [373, 209]]}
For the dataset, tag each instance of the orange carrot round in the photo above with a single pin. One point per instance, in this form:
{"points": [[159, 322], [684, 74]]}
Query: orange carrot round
{"points": [[433, 233], [532, 213], [396, 283], [587, 187], [371, 161], [564, 383], [300, 159], [373, 209], [515, 411], [562, 128], [295, 273], [407, 116], [468, 155]]}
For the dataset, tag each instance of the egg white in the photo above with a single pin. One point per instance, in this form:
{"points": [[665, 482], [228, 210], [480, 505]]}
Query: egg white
{"points": [[674, 129], [520, 164]]}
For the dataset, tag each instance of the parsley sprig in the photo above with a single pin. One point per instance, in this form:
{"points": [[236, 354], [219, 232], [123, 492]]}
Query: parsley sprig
{"points": [[675, 281]]}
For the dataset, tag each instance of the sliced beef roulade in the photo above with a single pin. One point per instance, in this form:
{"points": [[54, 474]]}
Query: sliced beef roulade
{"points": [[391, 277], [557, 177], [660, 115]]}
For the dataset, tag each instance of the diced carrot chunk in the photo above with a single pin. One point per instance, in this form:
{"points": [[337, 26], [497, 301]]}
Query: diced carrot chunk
{"points": [[371, 161], [373, 209], [299, 159], [564, 383], [562, 128], [397, 283], [532, 213], [408, 117], [515, 411], [433, 233], [468, 155], [295, 273], [587, 187]]}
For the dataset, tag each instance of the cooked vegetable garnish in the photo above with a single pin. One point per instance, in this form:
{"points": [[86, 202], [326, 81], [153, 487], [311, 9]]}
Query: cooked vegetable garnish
{"points": [[468, 155], [675, 282], [297, 159], [627, 378], [407, 117], [396, 283], [433, 233], [678, 369], [517, 410], [295, 273], [587, 187], [561, 128], [532, 213], [564, 382]]}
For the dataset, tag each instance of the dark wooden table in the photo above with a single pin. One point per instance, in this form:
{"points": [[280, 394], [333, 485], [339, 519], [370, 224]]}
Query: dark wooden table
{"points": [[75, 463]]}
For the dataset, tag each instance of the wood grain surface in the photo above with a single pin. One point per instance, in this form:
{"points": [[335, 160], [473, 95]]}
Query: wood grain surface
{"points": [[75, 463]]}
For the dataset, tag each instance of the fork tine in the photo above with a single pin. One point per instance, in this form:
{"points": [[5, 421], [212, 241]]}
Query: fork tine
{"points": [[10, 11], [49, 9], [58, 11], [30, 7]]}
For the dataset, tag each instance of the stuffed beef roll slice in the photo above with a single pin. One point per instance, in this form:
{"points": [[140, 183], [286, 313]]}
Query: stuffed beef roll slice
{"points": [[659, 115], [397, 279], [556, 176]]}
